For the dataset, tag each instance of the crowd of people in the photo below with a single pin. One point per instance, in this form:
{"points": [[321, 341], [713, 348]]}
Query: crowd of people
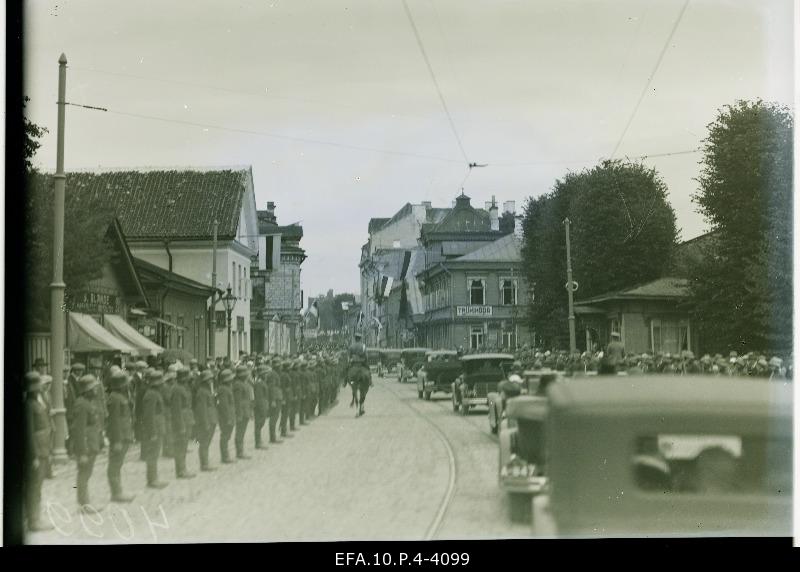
{"points": [[162, 406]]}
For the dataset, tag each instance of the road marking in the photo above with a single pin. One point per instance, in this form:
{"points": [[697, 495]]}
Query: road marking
{"points": [[433, 529]]}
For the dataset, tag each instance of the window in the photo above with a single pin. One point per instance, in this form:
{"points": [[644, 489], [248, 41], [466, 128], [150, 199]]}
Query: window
{"points": [[510, 339], [268, 255], [508, 292], [220, 319], [180, 332], [719, 464], [198, 327], [669, 336], [233, 277], [167, 331], [239, 323], [476, 337], [240, 281], [477, 292]]}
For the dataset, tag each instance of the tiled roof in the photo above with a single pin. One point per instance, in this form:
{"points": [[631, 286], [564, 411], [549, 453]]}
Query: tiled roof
{"points": [[376, 224], [165, 275], [667, 287], [506, 249], [180, 203]]}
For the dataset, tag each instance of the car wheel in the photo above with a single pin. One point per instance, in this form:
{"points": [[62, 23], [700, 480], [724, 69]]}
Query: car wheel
{"points": [[520, 507], [427, 396]]}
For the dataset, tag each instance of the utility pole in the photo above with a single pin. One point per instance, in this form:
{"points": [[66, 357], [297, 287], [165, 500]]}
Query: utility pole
{"points": [[213, 321], [57, 287], [571, 287]]}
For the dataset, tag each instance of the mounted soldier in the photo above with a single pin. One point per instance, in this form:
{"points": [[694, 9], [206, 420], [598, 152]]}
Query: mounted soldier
{"points": [[358, 374]]}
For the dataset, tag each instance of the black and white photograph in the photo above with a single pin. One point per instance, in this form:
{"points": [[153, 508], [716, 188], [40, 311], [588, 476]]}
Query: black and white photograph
{"points": [[399, 270]]}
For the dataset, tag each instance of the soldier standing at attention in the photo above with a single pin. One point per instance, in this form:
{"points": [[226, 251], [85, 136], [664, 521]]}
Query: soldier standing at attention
{"points": [[243, 407], [139, 383], [37, 451], [225, 412], [86, 433], [182, 422], [288, 396], [153, 427], [167, 388], [205, 416], [260, 404], [120, 434], [302, 381], [274, 398]]}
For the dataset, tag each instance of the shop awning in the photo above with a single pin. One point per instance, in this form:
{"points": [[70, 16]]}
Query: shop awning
{"points": [[170, 324], [120, 328], [86, 335]]}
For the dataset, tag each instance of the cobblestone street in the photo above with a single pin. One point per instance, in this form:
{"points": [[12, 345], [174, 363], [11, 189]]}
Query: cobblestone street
{"points": [[387, 475]]}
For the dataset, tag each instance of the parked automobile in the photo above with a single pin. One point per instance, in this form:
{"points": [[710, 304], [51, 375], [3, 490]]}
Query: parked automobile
{"points": [[480, 374], [411, 360], [438, 372], [388, 359], [689, 456], [527, 384]]}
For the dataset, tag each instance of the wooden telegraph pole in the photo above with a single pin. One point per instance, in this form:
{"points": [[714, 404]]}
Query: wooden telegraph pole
{"points": [[212, 335], [57, 287], [571, 286]]}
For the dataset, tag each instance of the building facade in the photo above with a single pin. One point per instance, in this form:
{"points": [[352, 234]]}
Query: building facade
{"points": [[168, 217], [277, 289]]}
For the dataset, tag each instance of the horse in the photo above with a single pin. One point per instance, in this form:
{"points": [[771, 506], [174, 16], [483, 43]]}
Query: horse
{"points": [[358, 377]]}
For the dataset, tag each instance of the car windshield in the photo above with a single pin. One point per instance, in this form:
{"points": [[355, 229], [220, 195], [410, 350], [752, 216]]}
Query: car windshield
{"points": [[487, 366], [708, 464]]}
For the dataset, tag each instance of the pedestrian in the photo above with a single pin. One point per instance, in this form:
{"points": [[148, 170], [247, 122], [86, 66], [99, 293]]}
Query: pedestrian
{"points": [[153, 427], [40, 366], [37, 451], [205, 416], [85, 432], [225, 413], [243, 406], [260, 404], [44, 397], [182, 416], [120, 434], [615, 352], [70, 395]]}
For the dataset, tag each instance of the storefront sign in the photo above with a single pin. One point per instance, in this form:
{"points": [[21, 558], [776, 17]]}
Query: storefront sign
{"points": [[473, 311], [88, 302]]}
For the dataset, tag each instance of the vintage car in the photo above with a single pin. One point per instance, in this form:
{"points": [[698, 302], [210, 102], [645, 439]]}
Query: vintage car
{"points": [[665, 456], [438, 372], [480, 374], [373, 358], [411, 360], [521, 462], [496, 400], [388, 360]]}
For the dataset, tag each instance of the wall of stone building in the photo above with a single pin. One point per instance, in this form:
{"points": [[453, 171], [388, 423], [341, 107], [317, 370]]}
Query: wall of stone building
{"points": [[283, 289], [405, 231]]}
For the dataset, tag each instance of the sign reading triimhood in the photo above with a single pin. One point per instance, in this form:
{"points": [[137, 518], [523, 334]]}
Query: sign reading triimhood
{"points": [[469, 311]]}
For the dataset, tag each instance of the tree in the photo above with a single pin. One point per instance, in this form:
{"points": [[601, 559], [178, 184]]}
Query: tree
{"points": [[33, 133], [85, 247], [741, 294], [622, 233]]}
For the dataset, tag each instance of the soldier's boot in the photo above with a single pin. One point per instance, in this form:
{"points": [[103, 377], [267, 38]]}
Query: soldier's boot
{"points": [[117, 495], [301, 417]]}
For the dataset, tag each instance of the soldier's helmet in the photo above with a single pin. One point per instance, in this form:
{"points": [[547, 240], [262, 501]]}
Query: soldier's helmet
{"points": [[118, 379], [206, 376], [87, 383], [242, 370], [262, 369], [226, 376], [155, 377], [32, 379], [139, 365], [78, 367]]}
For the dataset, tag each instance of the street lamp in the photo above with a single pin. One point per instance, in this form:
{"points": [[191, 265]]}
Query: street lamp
{"points": [[229, 300]]}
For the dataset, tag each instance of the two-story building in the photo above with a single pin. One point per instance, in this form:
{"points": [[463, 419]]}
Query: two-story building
{"points": [[170, 218]]}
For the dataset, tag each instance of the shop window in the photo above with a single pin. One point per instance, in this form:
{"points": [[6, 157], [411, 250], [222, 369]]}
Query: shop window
{"points": [[477, 292], [508, 292], [476, 337]]}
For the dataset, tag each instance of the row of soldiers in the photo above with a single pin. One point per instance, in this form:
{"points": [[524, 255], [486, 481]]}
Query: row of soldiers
{"points": [[164, 408]]}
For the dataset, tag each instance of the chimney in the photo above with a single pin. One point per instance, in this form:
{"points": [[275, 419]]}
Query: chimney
{"points": [[510, 207], [494, 220], [427, 205]]}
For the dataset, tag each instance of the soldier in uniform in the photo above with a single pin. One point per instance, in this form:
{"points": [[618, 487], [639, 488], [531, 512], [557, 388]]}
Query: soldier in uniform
{"points": [[288, 395], [225, 413], [70, 395], [260, 404], [120, 434], [37, 451], [139, 387], [274, 399], [302, 381], [153, 427], [167, 389], [86, 434], [243, 406], [358, 374], [182, 422], [205, 416]]}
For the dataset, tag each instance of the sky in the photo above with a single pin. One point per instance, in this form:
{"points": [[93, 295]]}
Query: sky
{"points": [[335, 108]]}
